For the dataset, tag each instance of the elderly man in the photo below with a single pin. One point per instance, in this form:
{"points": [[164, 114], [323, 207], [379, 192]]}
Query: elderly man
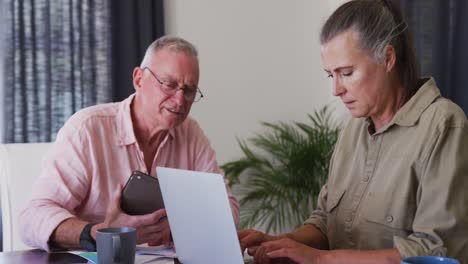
{"points": [[95, 152]]}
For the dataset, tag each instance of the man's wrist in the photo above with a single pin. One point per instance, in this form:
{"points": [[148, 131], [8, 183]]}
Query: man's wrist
{"points": [[87, 242], [94, 230]]}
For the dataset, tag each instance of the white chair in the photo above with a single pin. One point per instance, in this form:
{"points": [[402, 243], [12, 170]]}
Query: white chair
{"points": [[20, 164]]}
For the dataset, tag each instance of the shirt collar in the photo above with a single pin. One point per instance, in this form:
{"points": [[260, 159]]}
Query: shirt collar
{"points": [[125, 123], [412, 110]]}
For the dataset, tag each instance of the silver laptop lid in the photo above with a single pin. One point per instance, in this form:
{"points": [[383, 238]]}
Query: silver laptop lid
{"points": [[200, 217]]}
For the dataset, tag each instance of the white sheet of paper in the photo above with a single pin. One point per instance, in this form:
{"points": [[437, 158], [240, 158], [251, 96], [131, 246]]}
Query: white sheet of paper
{"points": [[158, 251], [144, 255], [145, 259]]}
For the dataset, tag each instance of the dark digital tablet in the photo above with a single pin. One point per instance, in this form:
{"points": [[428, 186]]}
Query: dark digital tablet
{"points": [[141, 194]]}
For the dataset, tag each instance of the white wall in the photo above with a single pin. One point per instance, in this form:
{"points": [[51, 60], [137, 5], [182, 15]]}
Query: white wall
{"points": [[259, 60]]}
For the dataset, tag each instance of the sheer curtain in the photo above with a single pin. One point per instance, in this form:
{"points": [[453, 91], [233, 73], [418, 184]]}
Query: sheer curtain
{"points": [[2, 52], [57, 61], [57, 57], [441, 37]]}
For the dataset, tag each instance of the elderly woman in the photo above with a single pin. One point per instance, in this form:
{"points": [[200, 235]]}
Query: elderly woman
{"points": [[398, 179]]}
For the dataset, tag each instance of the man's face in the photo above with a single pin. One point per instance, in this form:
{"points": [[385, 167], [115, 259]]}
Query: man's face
{"points": [[176, 69]]}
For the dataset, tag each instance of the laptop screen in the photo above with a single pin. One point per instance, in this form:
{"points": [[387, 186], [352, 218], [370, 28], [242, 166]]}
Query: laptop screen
{"points": [[200, 217]]}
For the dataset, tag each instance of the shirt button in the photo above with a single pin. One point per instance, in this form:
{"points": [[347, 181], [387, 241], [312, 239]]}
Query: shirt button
{"points": [[349, 219], [366, 179], [389, 218]]}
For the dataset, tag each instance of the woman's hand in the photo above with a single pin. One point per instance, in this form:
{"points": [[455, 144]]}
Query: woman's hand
{"points": [[289, 249], [250, 239]]}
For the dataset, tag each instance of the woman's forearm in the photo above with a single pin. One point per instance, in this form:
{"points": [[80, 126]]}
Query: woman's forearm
{"points": [[384, 256], [309, 235]]}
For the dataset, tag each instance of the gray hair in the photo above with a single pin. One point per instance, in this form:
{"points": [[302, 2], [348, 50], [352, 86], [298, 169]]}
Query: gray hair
{"points": [[379, 24], [172, 43]]}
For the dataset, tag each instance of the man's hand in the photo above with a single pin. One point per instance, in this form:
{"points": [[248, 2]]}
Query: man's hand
{"points": [[165, 234], [151, 228]]}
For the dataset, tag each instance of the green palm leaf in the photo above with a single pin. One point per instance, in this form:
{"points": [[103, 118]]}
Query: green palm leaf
{"points": [[281, 173]]}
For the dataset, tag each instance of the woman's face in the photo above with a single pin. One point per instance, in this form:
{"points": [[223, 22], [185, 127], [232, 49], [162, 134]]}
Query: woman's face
{"points": [[360, 82]]}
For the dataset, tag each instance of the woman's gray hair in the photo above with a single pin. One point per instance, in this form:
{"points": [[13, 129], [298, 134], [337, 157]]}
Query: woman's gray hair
{"points": [[379, 24], [172, 43]]}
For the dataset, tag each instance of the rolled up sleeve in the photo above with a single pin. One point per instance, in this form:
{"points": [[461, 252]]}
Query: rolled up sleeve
{"points": [[318, 217], [440, 226], [58, 191]]}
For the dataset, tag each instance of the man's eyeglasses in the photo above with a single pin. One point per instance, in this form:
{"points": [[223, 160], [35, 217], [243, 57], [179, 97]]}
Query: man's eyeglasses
{"points": [[171, 88]]}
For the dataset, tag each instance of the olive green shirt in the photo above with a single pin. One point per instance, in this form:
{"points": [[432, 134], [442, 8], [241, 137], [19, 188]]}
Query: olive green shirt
{"points": [[404, 186]]}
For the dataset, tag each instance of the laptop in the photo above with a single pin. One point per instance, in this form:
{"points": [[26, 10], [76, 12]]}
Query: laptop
{"points": [[200, 217]]}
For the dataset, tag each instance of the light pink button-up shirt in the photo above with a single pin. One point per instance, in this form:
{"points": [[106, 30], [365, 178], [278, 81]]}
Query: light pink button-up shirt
{"points": [[94, 153]]}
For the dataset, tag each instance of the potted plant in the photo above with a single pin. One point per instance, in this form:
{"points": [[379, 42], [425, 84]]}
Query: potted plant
{"points": [[280, 177]]}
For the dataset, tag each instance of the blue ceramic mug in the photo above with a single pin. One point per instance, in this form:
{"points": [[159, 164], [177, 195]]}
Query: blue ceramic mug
{"points": [[429, 260]]}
